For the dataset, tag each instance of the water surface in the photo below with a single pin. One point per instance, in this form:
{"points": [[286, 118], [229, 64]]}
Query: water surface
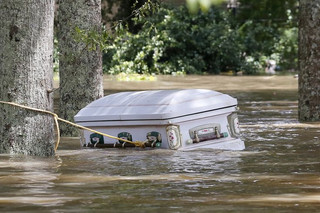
{"points": [[278, 172]]}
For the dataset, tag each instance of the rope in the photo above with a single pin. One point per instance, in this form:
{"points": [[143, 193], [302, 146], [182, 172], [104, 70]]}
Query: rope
{"points": [[56, 119]]}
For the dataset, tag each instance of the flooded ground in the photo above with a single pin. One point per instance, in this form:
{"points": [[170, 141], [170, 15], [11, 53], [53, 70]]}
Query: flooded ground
{"points": [[278, 172]]}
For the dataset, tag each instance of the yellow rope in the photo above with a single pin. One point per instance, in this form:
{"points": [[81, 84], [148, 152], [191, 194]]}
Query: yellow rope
{"points": [[136, 143], [56, 118]]}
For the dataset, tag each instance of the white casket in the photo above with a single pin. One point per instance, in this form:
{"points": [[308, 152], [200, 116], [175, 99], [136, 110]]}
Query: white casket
{"points": [[171, 119]]}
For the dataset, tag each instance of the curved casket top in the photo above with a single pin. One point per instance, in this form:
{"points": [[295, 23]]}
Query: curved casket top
{"points": [[158, 104]]}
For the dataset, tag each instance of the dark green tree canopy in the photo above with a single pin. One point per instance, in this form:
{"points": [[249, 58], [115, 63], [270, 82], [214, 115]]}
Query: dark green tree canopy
{"points": [[280, 12], [162, 39]]}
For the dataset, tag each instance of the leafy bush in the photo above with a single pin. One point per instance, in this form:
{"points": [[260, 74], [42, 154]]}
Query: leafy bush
{"points": [[262, 43], [268, 30], [287, 49], [173, 40]]}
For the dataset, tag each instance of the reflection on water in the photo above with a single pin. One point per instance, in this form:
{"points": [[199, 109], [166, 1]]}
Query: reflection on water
{"points": [[278, 172]]}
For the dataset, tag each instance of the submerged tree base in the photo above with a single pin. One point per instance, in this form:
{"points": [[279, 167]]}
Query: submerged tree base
{"points": [[26, 48], [309, 63]]}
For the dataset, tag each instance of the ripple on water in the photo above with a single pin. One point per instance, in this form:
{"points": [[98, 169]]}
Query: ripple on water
{"points": [[278, 171]]}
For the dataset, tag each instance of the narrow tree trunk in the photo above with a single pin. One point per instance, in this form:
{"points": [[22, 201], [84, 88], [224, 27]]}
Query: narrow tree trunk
{"points": [[26, 48], [309, 60], [80, 68]]}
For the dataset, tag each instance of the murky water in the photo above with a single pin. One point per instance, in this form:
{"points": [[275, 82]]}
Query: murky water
{"points": [[278, 172]]}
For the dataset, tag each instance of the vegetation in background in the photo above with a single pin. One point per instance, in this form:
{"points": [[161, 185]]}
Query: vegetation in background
{"points": [[158, 39], [269, 30], [172, 40]]}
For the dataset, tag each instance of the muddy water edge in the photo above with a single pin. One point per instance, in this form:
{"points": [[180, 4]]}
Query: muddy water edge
{"points": [[278, 172]]}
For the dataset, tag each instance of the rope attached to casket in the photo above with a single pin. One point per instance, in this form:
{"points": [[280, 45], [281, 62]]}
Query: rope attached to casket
{"points": [[56, 119]]}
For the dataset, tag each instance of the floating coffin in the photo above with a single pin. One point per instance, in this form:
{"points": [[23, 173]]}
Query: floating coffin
{"points": [[171, 119]]}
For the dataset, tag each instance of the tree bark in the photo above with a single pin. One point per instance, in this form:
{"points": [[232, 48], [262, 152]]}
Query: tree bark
{"points": [[80, 68], [26, 49], [309, 60]]}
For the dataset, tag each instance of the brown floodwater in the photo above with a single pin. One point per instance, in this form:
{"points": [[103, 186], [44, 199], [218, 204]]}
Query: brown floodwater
{"points": [[279, 171]]}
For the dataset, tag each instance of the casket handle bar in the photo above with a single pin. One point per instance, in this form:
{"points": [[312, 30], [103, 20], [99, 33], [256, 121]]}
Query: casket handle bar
{"points": [[117, 145]]}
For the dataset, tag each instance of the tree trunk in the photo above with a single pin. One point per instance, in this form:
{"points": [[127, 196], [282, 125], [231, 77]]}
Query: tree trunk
{"points": [[26, 48], [80, 68], [309, 60]]}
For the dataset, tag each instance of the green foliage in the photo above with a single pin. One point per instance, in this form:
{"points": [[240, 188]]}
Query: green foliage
{"points": [[155, 39], [92, 39], [173, 40], [281, 13], [287, 49], [114, 11], [135, 77], [268, 29]]}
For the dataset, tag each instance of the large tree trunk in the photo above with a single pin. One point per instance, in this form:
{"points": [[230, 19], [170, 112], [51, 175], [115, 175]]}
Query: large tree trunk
{"points": [[80, 68], [26, 48], [309, 60]]}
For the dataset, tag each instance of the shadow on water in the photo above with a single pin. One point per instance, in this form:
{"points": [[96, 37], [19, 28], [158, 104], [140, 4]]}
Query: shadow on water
{"points": [[278, 172]]}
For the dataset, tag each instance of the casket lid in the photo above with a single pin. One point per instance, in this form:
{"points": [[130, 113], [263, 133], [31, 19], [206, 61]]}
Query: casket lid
{"points": [[154, 105]]}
